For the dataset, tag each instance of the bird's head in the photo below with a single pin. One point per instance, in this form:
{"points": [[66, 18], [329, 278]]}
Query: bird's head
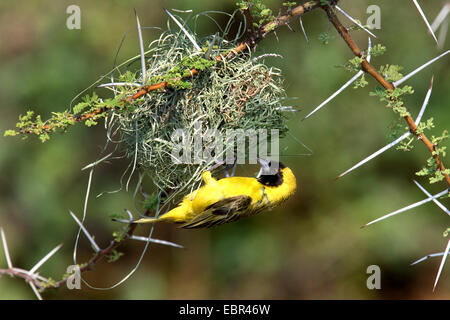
{"points": [[270, 173]]}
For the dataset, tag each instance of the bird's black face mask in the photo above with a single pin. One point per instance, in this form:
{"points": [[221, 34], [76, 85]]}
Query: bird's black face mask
{"points": [[272, 180]]}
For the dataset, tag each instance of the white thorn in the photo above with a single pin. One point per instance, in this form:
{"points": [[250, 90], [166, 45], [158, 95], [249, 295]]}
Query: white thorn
{"points": [[440, 205], [377, 153], [441, 17], [44, 259], [90, 238], [349, 82], [432, 255], [5, 248], [356, 76], [145, 239], [303, 29], [141, 49], [443, 33], [286, 109], [425, 102], [35, 290], [119, 84], [411, 206], [211, 45], [398, 140], [93, 164], [425, 19], [130, 215], [184, 30], [447, 249], [354, 21], [399, 82]]}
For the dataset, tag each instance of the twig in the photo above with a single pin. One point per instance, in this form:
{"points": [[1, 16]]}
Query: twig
{"points": [[441, 266], [368, 68], [409, 207], [425, 19]]}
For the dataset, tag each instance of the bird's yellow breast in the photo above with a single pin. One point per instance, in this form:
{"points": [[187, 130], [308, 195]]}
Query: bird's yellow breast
{"points": [[217, 190]]}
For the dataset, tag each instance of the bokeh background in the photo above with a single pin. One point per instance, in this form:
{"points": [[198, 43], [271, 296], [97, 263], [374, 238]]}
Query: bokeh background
{"points": [[310, 248]]}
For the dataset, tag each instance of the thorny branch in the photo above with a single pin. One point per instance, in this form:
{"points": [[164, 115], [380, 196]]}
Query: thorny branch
{"points": [[368, 68]]}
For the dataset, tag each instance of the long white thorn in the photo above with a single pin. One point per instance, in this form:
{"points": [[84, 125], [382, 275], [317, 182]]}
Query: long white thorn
{"points": [[303, 29], [119, 84], [440, 205], [5, 248], [447, 249], [443, 33], [349, 82], [425, 19], [428, 256], [286, 109], [164, 242], [44, 259], [441, 17], [35, 290], [93, 164], [399, 82], [425, 102], [355, 22], [396, 141], [411, 206], [375, 154], [196, 46], [90, 238], [141, 49]]}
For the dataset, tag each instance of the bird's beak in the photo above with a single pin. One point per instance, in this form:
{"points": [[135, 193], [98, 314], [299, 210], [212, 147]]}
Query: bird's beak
{"points": [[263, 163], [266, 167]]}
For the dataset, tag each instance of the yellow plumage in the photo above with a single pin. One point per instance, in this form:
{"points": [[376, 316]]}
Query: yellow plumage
{"points": [[228, 199]]}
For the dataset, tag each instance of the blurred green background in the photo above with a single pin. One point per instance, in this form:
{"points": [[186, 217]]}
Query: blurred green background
{"points": [[312, 247]]}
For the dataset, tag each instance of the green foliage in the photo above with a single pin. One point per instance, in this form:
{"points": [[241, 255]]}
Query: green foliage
{"points": [[151, 202], [356, 27], [325, 37], [432, 170], [446, 233], [407, 144], [392, 98], [68, 274], [427, 125], [354, 64], [377, 50], [325, 2], [289, 4], [360, 82], [260, 13], [391, 72], [31, 124], [174, 76], [119, 235], [114, 256], [439, 139], [50, 283]]}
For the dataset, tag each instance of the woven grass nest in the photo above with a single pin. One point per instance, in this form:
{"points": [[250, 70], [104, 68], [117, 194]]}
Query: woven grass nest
{"points": [[240, 92]]}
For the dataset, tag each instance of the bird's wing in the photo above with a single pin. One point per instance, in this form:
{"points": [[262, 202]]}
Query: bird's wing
{"points": [[226, 210]]}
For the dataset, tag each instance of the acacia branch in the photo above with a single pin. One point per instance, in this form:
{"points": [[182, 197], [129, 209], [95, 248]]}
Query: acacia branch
{"points": [[368, 68]]}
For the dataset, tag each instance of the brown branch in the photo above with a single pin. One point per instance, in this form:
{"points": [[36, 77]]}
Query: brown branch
{"points": [[44, 283], [367, 67]]}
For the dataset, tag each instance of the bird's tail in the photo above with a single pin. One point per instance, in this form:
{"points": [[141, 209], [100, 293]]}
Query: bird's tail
{"points": [[147, 220]]}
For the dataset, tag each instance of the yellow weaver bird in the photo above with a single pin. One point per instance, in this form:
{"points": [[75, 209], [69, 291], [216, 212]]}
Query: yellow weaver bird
{"points": [[229, 199]]}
